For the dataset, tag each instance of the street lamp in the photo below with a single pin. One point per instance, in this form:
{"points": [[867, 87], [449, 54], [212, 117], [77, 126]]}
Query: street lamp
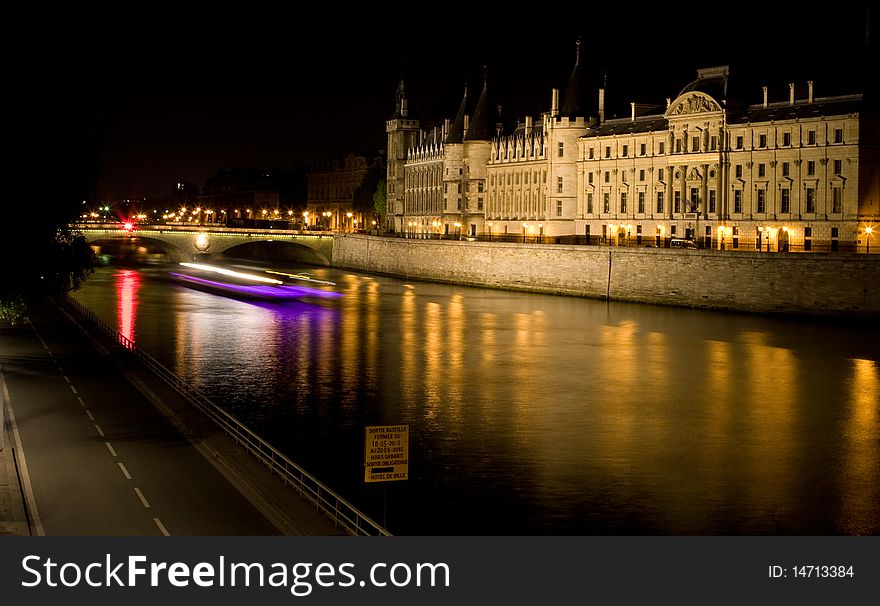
{"points": [[457, 229], [868, 232], [306, 219], [490, 230], [349, 215]]}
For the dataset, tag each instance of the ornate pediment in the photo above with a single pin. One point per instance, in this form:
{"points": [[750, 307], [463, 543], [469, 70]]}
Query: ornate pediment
{"points": [[693, 103]]}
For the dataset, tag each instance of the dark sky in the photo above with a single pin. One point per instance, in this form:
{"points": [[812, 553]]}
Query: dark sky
{"points": [[175, 98]]}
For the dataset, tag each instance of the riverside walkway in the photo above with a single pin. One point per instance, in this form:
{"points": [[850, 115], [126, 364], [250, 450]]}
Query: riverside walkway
{"points": [[94, 444]]}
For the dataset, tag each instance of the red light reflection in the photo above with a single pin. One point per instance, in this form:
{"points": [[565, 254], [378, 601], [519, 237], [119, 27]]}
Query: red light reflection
{"points": [[127, 284]]}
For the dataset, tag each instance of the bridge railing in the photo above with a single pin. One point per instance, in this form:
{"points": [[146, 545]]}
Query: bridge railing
{"points": [[340, 511]]}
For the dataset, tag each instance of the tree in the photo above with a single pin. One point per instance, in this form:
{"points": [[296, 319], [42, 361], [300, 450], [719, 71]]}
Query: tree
{"points": [[58, 166], [379, 201]]}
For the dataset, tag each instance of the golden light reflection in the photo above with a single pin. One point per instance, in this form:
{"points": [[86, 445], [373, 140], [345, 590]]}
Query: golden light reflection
{"points": [[455, 328], [861, 491], [434, 380], [350, 340], [408, 358], [371, 327]]}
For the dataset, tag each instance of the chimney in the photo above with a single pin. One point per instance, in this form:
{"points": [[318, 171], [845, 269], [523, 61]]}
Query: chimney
{"points": [[632, 107], [435, 134], [791, 93], [529, 125], [467, 122], [445, 128], [554, 103], [403, 107], [764, 90], [810, 91], [602, 104]]}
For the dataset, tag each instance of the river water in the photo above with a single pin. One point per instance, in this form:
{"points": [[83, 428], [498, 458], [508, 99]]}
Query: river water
{"points": [[536, 414]]}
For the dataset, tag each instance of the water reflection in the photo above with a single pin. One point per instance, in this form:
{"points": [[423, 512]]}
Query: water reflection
{"points": [[537, 414]]}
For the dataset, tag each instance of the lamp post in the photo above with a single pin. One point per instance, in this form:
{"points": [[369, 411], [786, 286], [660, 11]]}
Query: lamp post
{"points": [[306, 219], [869, 231], [457, 229], [541, 232], [490, 230], [349, 215]]}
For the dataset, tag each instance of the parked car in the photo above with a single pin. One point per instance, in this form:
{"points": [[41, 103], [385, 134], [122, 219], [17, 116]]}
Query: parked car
{"points": [[681, 243]]}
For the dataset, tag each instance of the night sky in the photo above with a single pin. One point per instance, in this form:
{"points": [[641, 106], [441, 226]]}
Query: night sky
{"points": [[177, 99]]}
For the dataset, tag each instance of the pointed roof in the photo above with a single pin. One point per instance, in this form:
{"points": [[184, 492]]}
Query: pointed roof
{"points": [[483, 126], [456, 130], [573, 103], [399, 105]]}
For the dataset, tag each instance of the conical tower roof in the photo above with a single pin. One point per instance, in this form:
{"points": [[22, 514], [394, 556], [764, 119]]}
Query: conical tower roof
{"points": [[482, 127], [456, 129], [573, 103]]}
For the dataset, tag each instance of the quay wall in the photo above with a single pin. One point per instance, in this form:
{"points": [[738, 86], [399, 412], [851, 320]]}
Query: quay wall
{"points": [[792, 283]]}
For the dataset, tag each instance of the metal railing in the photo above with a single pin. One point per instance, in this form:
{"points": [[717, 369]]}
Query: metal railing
{"points": [[340, 511]]}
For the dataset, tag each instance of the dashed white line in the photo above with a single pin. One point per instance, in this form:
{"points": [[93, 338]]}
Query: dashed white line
{"points": [[124, 470], [89, 412], [100, 432], [162, 527], [81, 403], [66, 379], [110, 448], [73, 389], [142, 498]]}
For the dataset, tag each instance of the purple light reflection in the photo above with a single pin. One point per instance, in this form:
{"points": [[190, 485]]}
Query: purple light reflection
{"points": [[281, 292]]}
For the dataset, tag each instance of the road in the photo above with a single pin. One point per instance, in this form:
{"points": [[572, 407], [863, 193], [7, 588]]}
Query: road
{"points": [[100, 458]]}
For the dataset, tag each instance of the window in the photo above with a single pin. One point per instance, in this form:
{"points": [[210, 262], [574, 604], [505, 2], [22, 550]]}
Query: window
{"points": [[838, 135], [811, 137], [641, 202], [642, 174], [811, 167], [713, 143], [638, 234], [835, 232], [660, 196], [836, 199], [737, 201], [785, 201], [623, 202], [761, 201], [479, 203], [811, 200], [607, 151], [446, 188], [834, 242], [459, 204], [590, 178], [591, 154], [695, 200], [662, 149], [762, 169], [678, 146], [786, 139], [735, 236], [625, 151], [660, 173], [459, 188], [808, 242], [559, 185], [838, 167], [590, 203], [559, 208], [607, 177], [712, 194], [785, 169], [676, 207], [739, 142], [479, 187], [561, 150], [762, 140], [606, 202], [642, 149], [695, 144], [739, 171], [672, 229], [623, 176]]}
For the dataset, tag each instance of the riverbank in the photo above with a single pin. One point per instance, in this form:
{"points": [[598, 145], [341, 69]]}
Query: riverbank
{"points": [[842, 285]]}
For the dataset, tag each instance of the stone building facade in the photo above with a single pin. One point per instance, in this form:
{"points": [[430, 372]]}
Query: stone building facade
{"points": [[705, 170], [331, 188]]}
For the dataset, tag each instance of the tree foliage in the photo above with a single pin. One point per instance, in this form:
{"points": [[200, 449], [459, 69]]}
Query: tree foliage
{"points": [[380, 200]]}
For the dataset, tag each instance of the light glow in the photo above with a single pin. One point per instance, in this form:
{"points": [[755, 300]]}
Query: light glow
{"points": [[232, 273]]}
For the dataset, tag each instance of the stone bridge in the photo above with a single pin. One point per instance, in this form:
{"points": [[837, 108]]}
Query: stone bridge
{"points": [[184, 243]]}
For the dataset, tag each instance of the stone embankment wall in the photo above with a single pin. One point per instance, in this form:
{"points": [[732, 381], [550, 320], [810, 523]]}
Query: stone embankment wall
{"points": [[814, 284]]}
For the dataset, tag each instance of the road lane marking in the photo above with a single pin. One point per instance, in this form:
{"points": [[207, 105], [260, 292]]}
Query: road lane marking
{"points": [[162, 527], [110, 448], [73, 389], [36, 526], [122, 467], [66, 379], [141, 497], [89, 412], [100, 433], [81, 403]]}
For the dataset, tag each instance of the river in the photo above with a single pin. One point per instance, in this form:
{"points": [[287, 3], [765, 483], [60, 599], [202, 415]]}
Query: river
{"points": [[536, 414]]}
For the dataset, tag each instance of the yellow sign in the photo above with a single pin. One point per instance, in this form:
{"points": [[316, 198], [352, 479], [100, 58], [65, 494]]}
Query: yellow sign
{"points": [[386, 453]]}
